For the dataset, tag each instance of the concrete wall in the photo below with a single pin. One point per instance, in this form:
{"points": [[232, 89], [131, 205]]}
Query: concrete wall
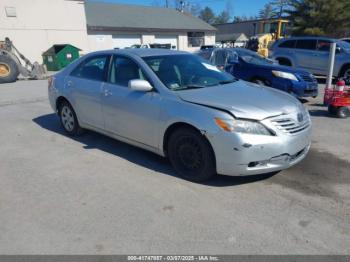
{"points": [[41, 23]]}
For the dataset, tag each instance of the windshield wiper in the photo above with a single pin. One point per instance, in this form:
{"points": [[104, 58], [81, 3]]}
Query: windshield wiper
{"points": [[193, 87]]}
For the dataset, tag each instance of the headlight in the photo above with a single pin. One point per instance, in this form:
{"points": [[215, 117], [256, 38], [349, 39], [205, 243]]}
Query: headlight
{"points": [[242, 126], [286, 75]]}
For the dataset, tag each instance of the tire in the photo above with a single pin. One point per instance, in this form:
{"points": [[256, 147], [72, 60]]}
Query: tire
{"points": [[69, 119], [259, 82], [345, 73], [8, 70], [284, 61], [191, 155], [343, 112]]}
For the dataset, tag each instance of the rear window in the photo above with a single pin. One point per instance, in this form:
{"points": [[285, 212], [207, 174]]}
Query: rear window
{"points": [[288, 44], [323, 45], [306, 44]]}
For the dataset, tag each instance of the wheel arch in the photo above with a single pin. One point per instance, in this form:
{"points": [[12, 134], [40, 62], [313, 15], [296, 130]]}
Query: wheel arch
{"points": [[177, 125], [59, 101], [278, 58]]}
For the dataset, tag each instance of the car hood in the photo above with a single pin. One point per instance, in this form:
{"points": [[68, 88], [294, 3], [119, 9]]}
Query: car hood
{"points": [[286, 69], [243, 100]]}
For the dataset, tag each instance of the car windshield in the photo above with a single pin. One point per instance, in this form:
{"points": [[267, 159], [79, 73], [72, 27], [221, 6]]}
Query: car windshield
{"points": [[252, 57], [182, 72]]}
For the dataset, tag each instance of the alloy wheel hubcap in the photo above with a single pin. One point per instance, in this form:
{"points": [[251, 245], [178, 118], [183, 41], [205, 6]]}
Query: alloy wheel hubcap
{"points": [[67, 118], [4, 70]]}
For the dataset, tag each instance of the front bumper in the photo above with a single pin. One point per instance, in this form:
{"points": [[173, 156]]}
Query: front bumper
{"points": [[245, 154], [299, 89]]}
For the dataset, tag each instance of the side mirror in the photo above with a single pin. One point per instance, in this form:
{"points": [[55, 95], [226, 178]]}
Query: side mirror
{"points": [[140, 85], [338, 50]]}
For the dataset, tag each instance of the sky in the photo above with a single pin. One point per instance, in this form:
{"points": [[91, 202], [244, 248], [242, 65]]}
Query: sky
{"points": [[240, 7]]}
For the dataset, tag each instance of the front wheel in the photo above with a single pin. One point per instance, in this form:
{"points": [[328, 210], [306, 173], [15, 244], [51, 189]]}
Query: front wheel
{"points": [[259, 82], [191, 155], [8, 69]]}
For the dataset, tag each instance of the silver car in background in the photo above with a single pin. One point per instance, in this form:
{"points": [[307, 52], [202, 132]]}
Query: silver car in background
{"points": [[312, 54], [176, 105]]}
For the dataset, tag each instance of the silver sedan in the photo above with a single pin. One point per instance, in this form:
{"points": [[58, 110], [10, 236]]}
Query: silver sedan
{"points": [[178, 106]]}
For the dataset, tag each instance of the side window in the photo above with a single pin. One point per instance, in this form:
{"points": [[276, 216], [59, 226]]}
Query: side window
{"points": [[323, 45], [93, 68], [219, 58], [308, 44], [288, 44], [123, 70]]}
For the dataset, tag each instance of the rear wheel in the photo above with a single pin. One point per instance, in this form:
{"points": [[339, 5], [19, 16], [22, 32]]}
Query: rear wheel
{"points": [[191, 155], [343, 112], [69, 119], [8, 70], [345, 73]]}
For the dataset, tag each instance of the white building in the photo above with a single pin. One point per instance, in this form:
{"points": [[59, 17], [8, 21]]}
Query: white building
{"points": [[120, 26], [35, 25]]}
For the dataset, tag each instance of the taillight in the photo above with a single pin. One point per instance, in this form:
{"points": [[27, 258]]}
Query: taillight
{"points": [[49, 82]]}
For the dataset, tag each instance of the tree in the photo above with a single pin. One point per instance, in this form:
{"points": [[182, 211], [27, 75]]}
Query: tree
{"points": [[280, 7], [266, 12], [194, 9], [222, 18], [320, 17], [207, 15]]}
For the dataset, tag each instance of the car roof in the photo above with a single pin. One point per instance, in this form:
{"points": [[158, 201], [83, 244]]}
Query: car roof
{"points": [[142, 52], [308, 37]]}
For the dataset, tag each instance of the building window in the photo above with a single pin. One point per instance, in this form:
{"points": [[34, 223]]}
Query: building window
{"points": [[10, 11], [195, 39]]}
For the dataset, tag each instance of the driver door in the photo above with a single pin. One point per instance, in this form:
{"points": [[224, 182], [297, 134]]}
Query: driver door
{"points": [[130, 114]]}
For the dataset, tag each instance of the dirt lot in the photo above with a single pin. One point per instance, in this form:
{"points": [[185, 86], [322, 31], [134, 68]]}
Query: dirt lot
{"points": [[95, 195]]}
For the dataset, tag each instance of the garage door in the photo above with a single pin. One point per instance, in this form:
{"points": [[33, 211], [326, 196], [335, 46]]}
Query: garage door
{"points": [[166, 39], [122, 41]]}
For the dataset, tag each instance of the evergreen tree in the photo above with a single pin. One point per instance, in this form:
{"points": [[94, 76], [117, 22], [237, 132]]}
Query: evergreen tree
{"points": [[320, 17], [207, 15], [266, 12], [223, 17]]}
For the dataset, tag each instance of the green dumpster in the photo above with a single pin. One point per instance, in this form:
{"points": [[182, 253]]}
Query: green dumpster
{"points": [[59, 56]]}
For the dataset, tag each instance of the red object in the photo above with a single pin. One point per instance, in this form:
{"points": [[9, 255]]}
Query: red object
{"points": [[338, 96]]}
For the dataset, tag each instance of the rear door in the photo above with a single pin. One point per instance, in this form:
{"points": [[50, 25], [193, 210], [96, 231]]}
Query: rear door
{"points": [[85, 86], [305, 52], [321, 57]]}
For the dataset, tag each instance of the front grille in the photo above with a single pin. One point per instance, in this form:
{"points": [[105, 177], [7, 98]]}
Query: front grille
{"points": [[291, 126], [307, 78]]}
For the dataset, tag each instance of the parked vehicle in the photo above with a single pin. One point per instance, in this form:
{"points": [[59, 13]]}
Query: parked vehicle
{"points": [[13, 64], [176, 105], [338, 99], [312, 54], [346, 39], [248, 65]]}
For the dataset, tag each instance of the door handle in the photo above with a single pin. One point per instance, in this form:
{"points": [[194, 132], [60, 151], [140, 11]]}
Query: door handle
{"points": [[107, 92]]}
